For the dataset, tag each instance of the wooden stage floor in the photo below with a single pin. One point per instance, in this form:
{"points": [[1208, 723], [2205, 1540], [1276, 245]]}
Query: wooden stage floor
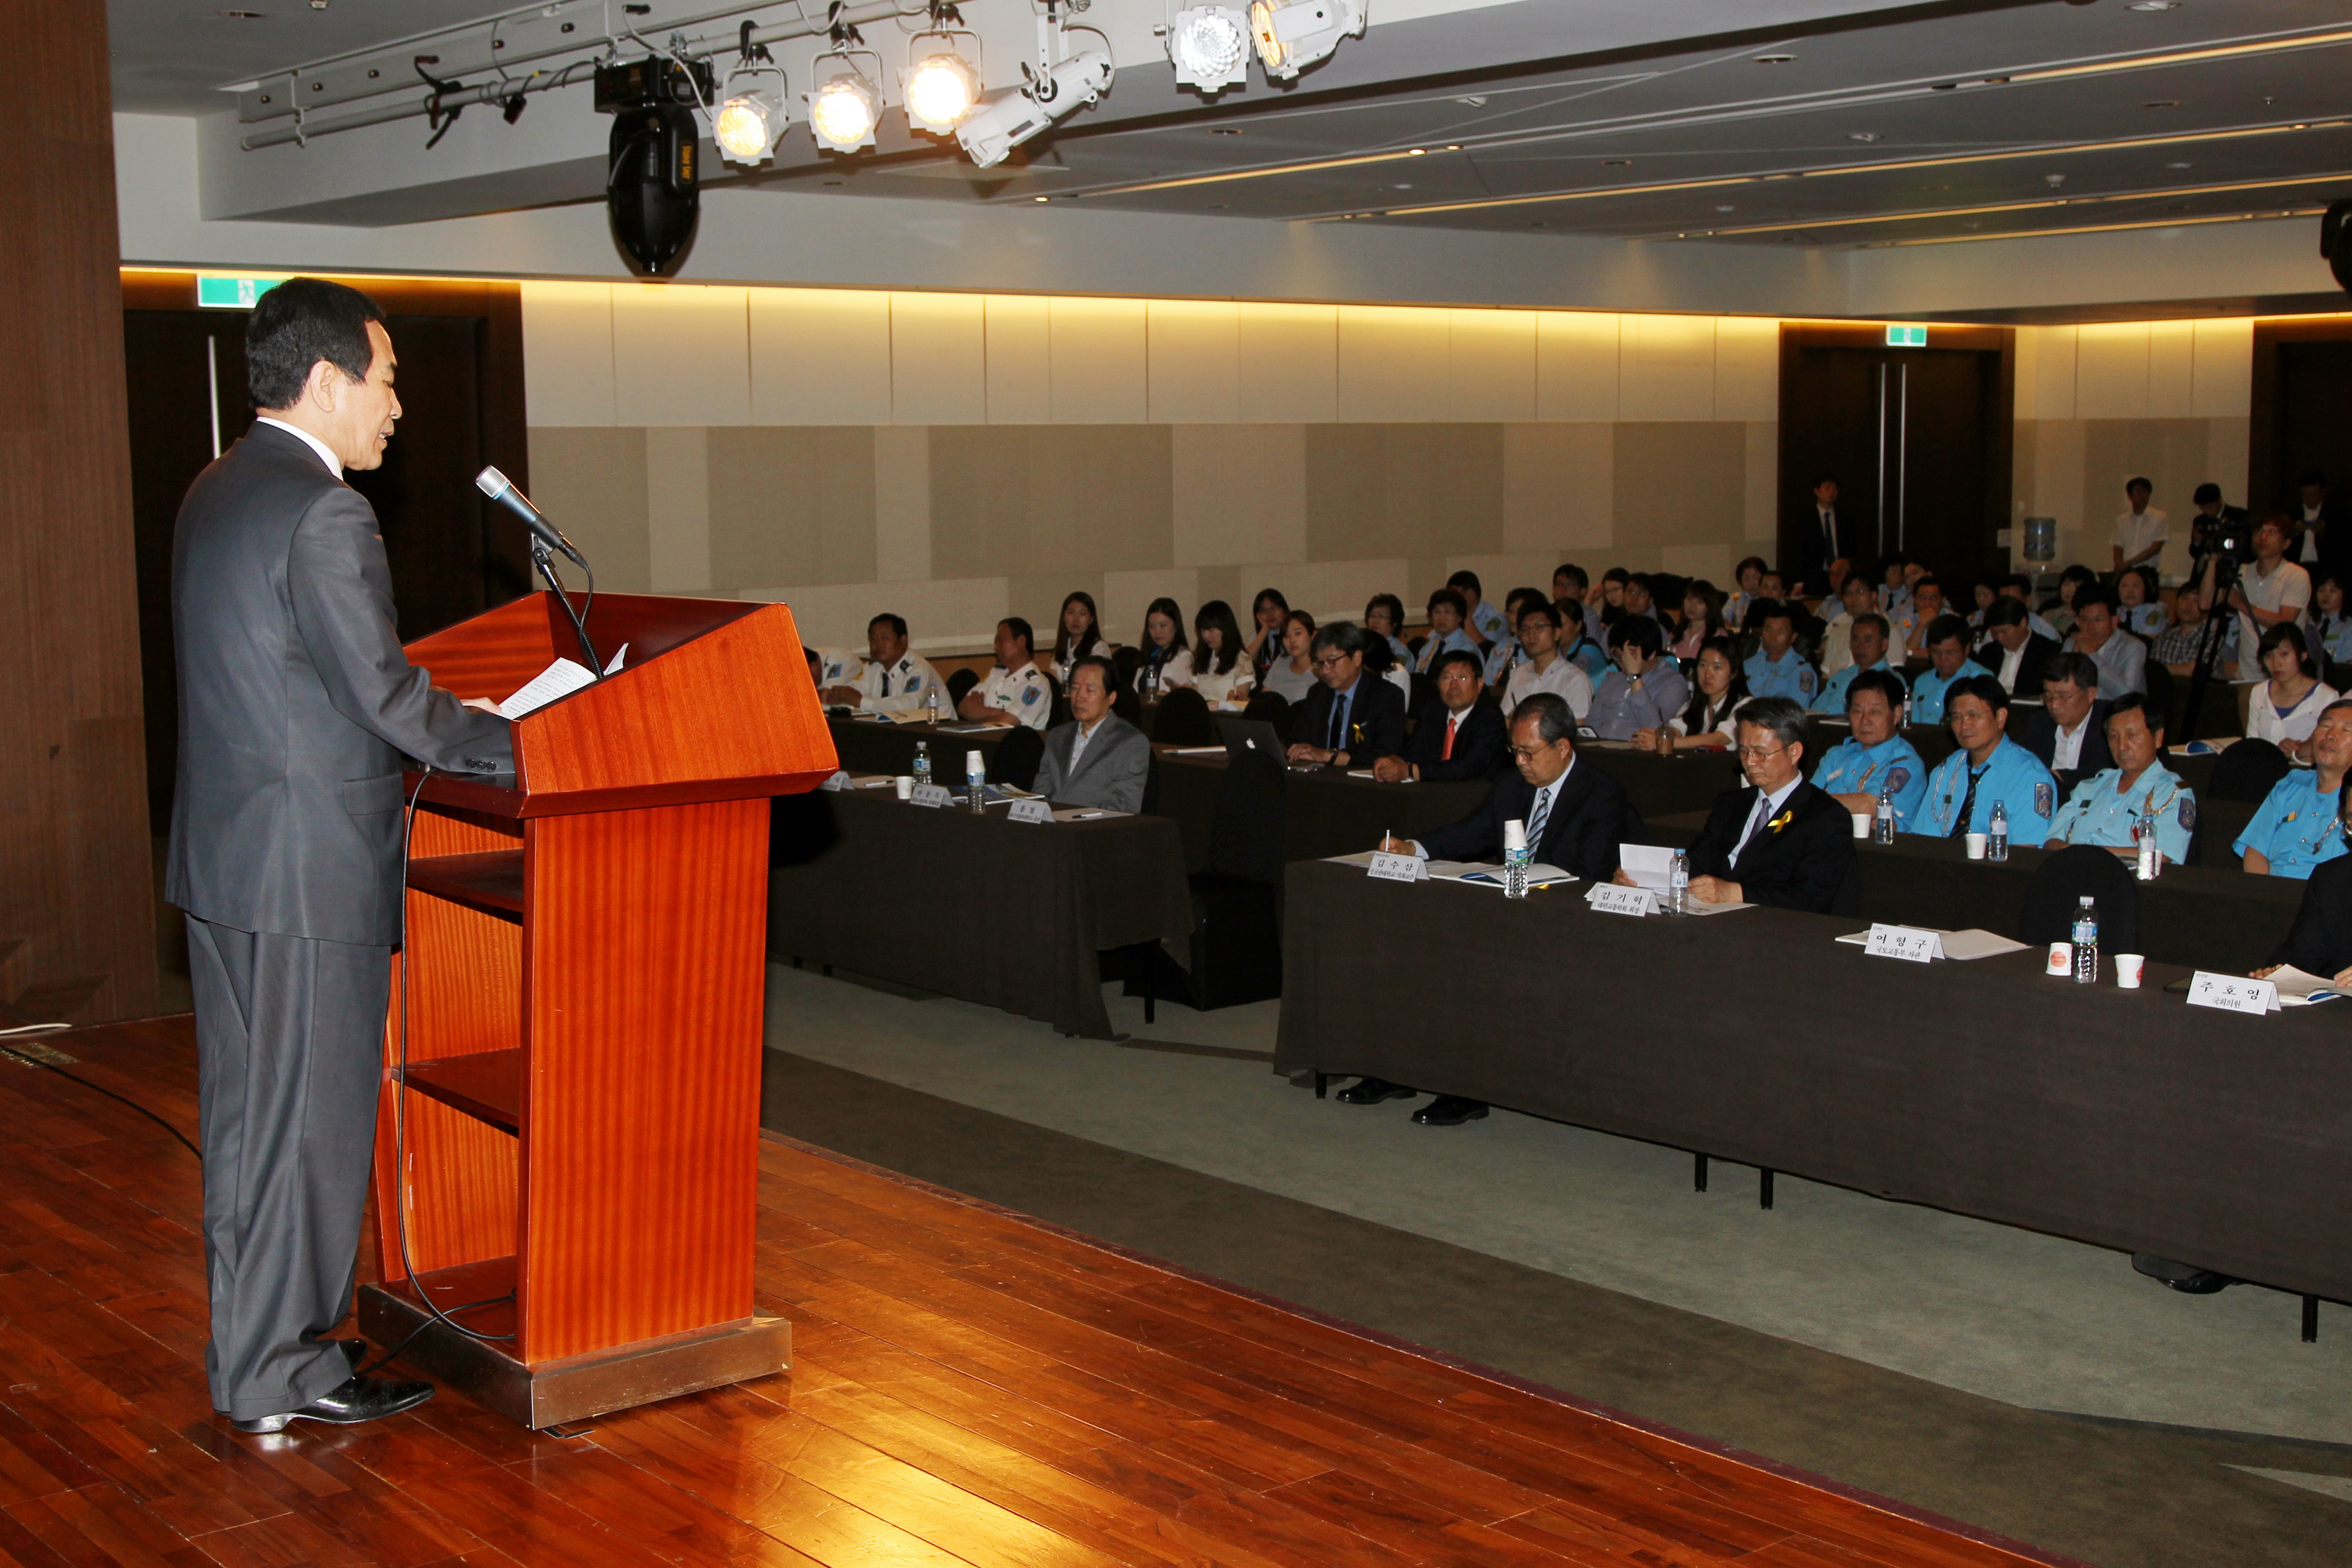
{"points": [[971, 1388]]}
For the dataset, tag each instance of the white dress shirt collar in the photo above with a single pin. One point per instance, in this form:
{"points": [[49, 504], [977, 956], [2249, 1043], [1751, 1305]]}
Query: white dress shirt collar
{"points": [[326, 453]]}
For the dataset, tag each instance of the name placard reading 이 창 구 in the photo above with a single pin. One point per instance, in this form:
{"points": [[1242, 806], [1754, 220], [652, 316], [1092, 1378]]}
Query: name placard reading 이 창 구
{"points": [[1907, 943]]}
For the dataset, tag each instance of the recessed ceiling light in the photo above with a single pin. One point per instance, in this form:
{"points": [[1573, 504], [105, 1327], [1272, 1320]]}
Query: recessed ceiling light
{"points": [[1863, 136], [1223, 130], [2180, 165], [1472, 102], [1041, 198], [1402, 185], [2161, 103], [1727, 207], [2154, 6], [1615, 162], [1416, 152], [1454, 146], [1774, 60], [243, 16]]}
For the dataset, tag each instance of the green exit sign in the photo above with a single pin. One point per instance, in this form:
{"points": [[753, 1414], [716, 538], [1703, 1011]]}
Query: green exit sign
{"points": [[1906, 337], [234, 293]]}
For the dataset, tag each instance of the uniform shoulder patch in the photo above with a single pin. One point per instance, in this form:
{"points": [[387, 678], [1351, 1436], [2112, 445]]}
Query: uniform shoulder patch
{"points": [[2045, 799], [1897, 777], [2187, 813], [1028, 694]]}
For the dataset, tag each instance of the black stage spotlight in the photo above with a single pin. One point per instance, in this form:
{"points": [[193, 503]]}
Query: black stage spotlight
{"points": [[2334, 243], [651, 192]]}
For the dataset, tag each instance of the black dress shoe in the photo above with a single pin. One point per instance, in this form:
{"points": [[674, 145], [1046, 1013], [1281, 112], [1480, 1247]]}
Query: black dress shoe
{"points": [[2186, 1277], [1450, 1110], [348, 1404], [1372, 1090], [355, 1351]]}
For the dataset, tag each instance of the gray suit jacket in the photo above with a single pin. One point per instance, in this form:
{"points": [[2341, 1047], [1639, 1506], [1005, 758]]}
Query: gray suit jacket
{"points": [[297, 703], [1110, 772]]}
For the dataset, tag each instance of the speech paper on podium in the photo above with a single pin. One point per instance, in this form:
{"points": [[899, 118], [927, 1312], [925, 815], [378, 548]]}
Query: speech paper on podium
{"points": [[557, 680]]}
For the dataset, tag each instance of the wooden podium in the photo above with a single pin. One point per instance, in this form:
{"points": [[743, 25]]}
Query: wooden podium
{"points": [[584, 982]]}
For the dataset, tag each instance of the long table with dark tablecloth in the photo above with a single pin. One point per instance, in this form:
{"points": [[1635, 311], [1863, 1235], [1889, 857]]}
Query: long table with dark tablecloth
{"points": [[881, 746], [2125, 1119], [1008, 914], [1324, 810]]}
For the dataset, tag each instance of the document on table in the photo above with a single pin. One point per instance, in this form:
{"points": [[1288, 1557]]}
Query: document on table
{"points": [[1973, 942], [2299, 989], [1483, 874], [1649, 866], [1087, 814], [557, 680]]}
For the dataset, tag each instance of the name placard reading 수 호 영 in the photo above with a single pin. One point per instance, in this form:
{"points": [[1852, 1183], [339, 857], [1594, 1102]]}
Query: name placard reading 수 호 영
{"points": [[2233, 994]]}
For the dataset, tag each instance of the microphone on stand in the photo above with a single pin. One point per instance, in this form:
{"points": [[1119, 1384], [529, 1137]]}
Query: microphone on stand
{"points": [[546, 536]]}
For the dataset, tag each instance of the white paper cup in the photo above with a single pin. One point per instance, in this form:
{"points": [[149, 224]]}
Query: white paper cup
{"points": [[1515, 835], [1976, 846], [1861, 825], [2061, 959], [2128, 968], [905, 785]]}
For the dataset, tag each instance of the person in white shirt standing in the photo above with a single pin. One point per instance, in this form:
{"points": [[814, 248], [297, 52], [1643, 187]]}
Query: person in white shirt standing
{"points": [[2140, 533], [894, 681], [1544, 668], [2272, 591], [1016, 692]]}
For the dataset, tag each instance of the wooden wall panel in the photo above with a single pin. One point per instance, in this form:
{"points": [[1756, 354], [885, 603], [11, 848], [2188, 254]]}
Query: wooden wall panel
{"points": [[74, 844]]}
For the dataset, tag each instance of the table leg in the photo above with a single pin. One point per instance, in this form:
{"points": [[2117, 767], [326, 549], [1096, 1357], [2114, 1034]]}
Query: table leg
{"points": [[1322, 1082], [1698, 1173], [1764, 1190], [2311, 1320]]}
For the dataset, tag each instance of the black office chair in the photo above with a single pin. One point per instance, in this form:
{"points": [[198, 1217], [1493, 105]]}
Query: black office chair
{"points": [[1128, 706], [1235, 952], [1017, 758], [1182, 720], [2247, 771], [959, 687], [2050, 899], [1271, 707], [2161, 696], [1124, 663]]}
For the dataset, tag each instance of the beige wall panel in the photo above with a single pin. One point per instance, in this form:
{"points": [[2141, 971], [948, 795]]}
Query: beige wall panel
{"points": [[820, 356], [2111, 371], [1127, 595], [1577, 364], [595, 479], [1711, 561], [939, 360], [1400, 489], [1681, 483], [2057, 350], [1020, 360], [2057, 486], [1289, 363], [2171, 369], [567, 353], [1557, 484], [2026, 365], [1227, 583], [1098, 355], [1393, 364], [1747, 368], [1666, 368], [1763, 484], [902, 503], [2228, 453], [1240, 493], [1497, 575], [1333, 590], [947, 615], [2225, 371], [792, 504], [1036, 598], [681, 354], [2172, 453], [677, 508], [1093, 498], [1492, 367], [1192, 360]]}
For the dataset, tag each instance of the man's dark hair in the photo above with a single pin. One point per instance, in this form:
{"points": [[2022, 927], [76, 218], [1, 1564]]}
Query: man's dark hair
{"points": [[1555, 720], [1947, 629], [1095, 661], [1741, 570], [1448, 596], [2005, 611], [1466, 580], [897, 624], [1782, 715], [1873, 618], [814, 657], [1824, 479], [2090, 593], [1617, 574], [1390, 601], [1641, 631], [1459, 656], [295, 325], [1885, 682], [1543, 611], [1521, 596], [1927, 581], [1021, 628], [1342, 636], [1985, 689], [2313, 477], [1765, 610], [2136, 483], [2138, 702], [2207, 491], [1574, 573], [2019, 581], [2074, 668]]}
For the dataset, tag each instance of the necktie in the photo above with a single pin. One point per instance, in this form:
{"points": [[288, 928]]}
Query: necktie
{"points": [[1535, 823], [886, 681], [1829, 530], [1339, 723], [1756, 819], [1968, 803], [1451, 723]]}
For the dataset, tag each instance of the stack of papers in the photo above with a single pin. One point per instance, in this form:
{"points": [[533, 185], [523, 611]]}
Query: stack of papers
{"points": [[2297, 989], [1973, 942], [1481, 874]]}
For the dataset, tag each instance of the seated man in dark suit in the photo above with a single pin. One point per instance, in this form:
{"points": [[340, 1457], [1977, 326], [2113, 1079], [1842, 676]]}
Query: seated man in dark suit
{"points": [[1353, 717], [1457, 737], [2013, 649], [1779, 841], [1097, 758], [2069, 732], [1575, 819]]}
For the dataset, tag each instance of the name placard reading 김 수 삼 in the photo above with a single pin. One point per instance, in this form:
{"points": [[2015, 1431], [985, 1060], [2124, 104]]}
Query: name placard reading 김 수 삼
{"points": [[1391, 868]]}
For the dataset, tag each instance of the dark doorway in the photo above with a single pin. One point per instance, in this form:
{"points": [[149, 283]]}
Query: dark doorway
{"points": [[2303, 387], [460, 381], [1919, 438]]}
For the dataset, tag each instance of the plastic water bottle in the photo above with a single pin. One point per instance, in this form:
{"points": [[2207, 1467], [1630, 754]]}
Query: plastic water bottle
{"points": [[1997, 841], [922, 763], [2144, 831], [2086, 941], [1515, 854], [931, 704], [1678, 884], [975, 781], [1882, 831]]}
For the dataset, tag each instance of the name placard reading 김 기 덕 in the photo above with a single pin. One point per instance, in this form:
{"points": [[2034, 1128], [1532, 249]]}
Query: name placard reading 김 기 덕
{"points": [[1608, 898], [1907, 942], [1033, 809], [1391, 868], [930, 794], [2233, 994]]}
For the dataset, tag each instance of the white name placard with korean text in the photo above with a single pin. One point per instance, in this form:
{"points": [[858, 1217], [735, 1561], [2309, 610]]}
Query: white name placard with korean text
{"points": [[1608, 898], [1033, 809], [1391, 868], [2233, 994], [1907, 943], [930, 794]]}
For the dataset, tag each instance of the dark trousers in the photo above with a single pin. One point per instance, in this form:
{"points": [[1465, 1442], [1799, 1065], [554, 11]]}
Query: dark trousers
{"points": [[289, 1050]]}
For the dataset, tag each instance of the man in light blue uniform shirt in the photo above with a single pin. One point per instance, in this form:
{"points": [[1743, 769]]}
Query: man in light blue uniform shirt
{"points": [[2298, 824], [1948, 647], [1867, 638], [1643, 691], [1878, 758], [1477, 614], [1445, 634], [2106, 809], [1777, 669], [1988, 767]]}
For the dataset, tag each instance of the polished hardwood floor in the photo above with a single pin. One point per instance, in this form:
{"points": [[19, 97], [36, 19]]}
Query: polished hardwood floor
{"points": [[970, 1388]]}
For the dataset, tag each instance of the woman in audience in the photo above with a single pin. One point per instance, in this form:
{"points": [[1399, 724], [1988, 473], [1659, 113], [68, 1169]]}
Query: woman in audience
{"points": [[1267, 611], [1984, 590], [1384, 620], [1702, 618], [1718, 691], [1220, 673], [1167, 660], [2143, 612], [2284, 709], [2331, 628], [1080, 635], [1292, 676], [2062, 615]]}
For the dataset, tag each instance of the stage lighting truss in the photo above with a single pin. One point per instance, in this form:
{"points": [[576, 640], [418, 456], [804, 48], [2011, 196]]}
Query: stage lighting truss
{"points": [[1293, 35], [1005, 119], [1210, 46], [940, 84], [845, 109]]}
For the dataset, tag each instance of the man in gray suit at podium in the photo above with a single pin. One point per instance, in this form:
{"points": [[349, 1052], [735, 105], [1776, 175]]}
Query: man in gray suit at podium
{"points": [[296, 708]]}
